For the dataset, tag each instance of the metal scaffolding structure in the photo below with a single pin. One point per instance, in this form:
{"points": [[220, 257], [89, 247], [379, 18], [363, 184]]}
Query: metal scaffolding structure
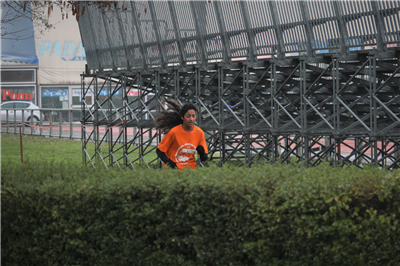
{"points": [[272, 80]]}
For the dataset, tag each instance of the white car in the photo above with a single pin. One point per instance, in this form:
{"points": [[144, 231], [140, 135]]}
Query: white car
{"points": [[12, 112]]}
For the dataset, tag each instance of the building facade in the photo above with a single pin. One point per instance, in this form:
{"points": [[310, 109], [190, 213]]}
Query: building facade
{"points": [[39, 66]]}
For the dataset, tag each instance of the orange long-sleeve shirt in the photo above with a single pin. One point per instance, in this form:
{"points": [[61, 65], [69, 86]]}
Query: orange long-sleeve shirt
{"points": [[180, 145]]}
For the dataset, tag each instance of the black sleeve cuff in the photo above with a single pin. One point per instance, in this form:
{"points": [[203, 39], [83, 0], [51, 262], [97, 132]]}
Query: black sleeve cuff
{"points": [[162, 156], [165, 159]]}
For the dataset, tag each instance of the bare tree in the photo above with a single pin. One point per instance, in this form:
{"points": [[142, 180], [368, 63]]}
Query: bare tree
{"points": [[40, 11], [12, 15]]}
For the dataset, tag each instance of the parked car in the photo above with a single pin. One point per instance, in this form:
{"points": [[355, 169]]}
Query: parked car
{"points": [[15, 110]]}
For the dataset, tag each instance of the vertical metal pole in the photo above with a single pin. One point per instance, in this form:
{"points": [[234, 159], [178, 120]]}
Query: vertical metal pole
{"points": [[124, 91], [336, 107], [83, 121], [357, 146], [328, 142], [60, 123], [109, 120], [96, 122], [274, 113], [177, 84], [23, 119], [140, 118], [158, 99], [51, 123], [140, 128], [221, 130], [246, 110], [40, 123], [197, 86], [373, 108], [286, 143], [71, 126], [303, 107], [276, 147], [20, 142], [339, 141], [384, 151]]}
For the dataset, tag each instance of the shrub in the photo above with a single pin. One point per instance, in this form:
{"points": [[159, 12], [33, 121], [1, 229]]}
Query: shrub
{"points": [[54, 214]]}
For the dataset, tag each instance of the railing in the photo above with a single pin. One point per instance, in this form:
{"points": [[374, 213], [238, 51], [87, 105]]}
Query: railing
{"points": [[53, 123]]}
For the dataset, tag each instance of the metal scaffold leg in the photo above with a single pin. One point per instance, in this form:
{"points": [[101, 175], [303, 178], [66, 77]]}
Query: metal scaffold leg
{"points": [[337, 111]]}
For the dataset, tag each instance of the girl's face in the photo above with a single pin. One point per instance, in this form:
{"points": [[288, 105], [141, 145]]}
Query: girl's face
{"points": [[188, 120]]}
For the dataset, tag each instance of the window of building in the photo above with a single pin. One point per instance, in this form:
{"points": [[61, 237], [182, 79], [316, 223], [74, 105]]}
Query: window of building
{"points": [[54, 97], [17, 76]]}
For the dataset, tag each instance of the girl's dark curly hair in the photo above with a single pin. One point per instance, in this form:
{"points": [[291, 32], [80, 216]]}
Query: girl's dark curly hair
{"points": [[167, 119]]}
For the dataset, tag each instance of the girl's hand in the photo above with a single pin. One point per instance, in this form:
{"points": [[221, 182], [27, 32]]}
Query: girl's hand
{"points": [[202, 153], [171, 164]]}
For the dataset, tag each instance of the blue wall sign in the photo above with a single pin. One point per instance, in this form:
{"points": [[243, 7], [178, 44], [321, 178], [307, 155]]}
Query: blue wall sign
{"points": [[54, 93]]}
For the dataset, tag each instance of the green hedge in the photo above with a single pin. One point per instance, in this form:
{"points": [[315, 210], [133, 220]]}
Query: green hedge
{"points": [[53, 214]]}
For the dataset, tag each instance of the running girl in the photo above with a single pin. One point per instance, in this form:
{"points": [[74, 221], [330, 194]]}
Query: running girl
{"points": [[183, 138]]}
